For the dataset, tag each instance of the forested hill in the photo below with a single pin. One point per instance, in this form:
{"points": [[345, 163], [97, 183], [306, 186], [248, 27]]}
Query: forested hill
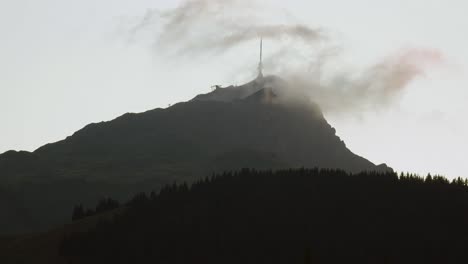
{"points": [[289, 216], [230, 128]]}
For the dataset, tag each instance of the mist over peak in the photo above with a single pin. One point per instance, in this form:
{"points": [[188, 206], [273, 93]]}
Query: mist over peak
{"points": [[307, 57], [255, 125]]}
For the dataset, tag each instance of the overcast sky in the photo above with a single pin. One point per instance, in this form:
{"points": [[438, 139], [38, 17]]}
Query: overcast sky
{"points": [[67, 63]]}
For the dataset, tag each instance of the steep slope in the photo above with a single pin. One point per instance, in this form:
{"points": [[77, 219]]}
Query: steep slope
{"points": [[250, 126]]}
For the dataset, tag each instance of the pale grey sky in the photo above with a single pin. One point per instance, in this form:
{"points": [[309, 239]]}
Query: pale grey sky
{"points": [[66, 63]]}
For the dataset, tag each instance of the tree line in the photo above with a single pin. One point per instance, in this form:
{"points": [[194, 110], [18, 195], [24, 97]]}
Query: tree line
{"points": [[104, 205], [286, 216]]}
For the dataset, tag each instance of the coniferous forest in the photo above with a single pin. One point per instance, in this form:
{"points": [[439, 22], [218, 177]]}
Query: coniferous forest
{"points": [[288, 216]]}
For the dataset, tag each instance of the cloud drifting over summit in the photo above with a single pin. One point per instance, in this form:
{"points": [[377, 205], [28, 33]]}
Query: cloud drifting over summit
{"points": [[302, 57], [211, 26]]}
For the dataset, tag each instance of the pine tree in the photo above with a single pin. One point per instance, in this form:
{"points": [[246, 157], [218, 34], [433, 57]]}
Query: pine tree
{"points": [[78, 212]]}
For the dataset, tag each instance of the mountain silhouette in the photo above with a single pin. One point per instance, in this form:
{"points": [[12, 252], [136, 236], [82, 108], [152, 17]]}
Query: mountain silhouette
{"points": [[248, 126]]}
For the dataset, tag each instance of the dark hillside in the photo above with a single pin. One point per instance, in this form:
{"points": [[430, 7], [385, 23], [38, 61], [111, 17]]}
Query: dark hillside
{"points": [[188, 138], [252, 126], [291, 216], [42, 248]]}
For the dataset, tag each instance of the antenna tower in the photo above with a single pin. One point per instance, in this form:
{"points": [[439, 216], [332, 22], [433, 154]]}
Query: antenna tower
{"points": [[260, 64]]}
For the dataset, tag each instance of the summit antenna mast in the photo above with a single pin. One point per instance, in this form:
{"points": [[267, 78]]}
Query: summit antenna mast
{"points": [[260, 64]]}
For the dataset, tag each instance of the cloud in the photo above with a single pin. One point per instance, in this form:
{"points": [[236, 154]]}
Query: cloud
{"points": [[214, 26], [373, 88], [303, 53]]}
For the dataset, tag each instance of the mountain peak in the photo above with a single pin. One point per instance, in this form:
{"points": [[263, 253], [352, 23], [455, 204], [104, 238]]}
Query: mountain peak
{"points": [[233, 93], [247, 126], [265, 95]]}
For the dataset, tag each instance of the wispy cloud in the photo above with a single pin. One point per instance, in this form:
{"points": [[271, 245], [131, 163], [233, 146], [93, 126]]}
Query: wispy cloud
{"points": [[200, 27]]}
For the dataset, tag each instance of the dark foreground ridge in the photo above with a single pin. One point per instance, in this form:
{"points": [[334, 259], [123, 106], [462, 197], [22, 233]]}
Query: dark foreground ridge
{"points": [[230, 128], [288, 216]]}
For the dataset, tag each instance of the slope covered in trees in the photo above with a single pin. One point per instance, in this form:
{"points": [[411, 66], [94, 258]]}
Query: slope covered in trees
{"points": [[227, 129], [288, 216]]}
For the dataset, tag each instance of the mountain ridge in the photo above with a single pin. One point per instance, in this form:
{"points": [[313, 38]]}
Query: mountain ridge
{"points": [[228, 129]]}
